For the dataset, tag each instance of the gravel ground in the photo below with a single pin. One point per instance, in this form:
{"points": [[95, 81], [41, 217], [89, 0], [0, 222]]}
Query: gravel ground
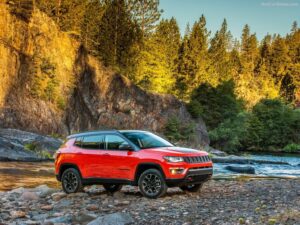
{"points": [[274, 201]]}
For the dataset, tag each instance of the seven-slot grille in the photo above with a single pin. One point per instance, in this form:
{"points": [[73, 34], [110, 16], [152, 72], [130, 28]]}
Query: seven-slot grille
{"points": [[197, 159]]}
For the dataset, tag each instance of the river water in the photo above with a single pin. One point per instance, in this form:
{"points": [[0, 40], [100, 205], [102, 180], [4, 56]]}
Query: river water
{"points": [[24, 174], [291, 169]]}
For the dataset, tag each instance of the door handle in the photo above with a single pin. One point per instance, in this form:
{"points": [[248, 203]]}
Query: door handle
{"points": [[106, 154]]}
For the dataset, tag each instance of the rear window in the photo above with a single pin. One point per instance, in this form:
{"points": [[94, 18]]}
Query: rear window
{"points": [[90, 142]]}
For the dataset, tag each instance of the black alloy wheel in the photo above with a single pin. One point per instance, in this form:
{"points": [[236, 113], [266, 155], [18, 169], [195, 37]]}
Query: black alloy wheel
{"points": [[71, 181], [152, 183]]}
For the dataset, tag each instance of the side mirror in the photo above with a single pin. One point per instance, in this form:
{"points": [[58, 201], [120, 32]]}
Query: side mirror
{"points": [[125, 147]]}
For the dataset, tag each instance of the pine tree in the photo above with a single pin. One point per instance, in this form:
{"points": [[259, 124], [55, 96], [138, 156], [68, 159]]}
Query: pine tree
{"points": [[193, 59], [158, 59], [235, 61], [90, 29], [246, 83], [219, 53], [249, 50], [279, 58], [68, 14], [169, 34], [146, 13], [118, 35], [292, 88]]}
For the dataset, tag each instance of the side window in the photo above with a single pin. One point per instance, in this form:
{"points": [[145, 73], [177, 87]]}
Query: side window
{"points": [[114, 141], [93, 142], [78, 141]]}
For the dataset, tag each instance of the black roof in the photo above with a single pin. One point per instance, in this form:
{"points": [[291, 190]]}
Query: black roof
{"points": [[81, 134], [86, 133]]}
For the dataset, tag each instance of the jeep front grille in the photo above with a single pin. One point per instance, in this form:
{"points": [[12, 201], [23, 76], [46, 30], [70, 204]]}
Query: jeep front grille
{"points": [[197, 159]]}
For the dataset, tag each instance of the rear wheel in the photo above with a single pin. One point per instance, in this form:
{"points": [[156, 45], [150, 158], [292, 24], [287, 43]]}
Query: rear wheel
{"points": [[112, 187], [71, 181], [152, 183], [191, 187]]}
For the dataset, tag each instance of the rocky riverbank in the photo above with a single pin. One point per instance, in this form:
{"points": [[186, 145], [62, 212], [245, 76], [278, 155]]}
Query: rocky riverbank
{"points": [[17, 145], [273, 201]]}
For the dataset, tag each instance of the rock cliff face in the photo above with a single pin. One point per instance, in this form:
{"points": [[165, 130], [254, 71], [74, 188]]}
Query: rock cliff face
{"points": [[88, 95]]}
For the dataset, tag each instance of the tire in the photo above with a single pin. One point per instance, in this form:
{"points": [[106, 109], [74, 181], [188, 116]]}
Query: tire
{"points": [[191, 187], [112, 187], [71, 181], [152, 184]]}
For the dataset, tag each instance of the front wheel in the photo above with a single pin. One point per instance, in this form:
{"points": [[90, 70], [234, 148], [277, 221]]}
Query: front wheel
{"points": [[152, 183], [112, 187], [191, 187], [71, 181]]}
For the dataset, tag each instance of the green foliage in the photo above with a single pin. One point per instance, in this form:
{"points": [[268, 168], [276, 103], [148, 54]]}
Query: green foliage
{"points": [[146, 13], [193, 64], [32, 146], [229, 135], [45, 155], [61, 103], [195, 109], [157, 61], [217, 75], [292, 148], [271, 126], [47, 67], [280, 123], [216, 103], [50, 92], [176, 130], [118, 36], [219, 54], [68, 14]]}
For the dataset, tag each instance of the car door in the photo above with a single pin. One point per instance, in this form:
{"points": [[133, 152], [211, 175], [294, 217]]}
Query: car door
{"points": [[92, 153], [121, 163]]}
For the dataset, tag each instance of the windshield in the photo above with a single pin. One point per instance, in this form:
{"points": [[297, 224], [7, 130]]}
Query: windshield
{"points": [[146, 140]]}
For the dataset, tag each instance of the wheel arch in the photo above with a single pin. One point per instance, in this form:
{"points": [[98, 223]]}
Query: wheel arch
{"points": [[142, 167], [66, 166]]}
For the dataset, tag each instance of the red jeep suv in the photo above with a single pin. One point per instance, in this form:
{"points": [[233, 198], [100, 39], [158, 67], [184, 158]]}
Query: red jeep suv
{"points": [[133, 157]]}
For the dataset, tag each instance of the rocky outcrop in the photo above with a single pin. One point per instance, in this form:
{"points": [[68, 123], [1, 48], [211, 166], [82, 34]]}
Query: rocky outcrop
{"points": [[87, 94], [241, 169], [16, 145]]}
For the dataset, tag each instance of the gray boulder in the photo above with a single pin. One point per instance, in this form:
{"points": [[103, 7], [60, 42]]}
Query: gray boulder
{"points": [[241, 169], [217, 152], [113, 219]]}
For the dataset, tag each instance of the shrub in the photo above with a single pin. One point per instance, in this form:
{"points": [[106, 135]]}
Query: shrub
{"points": [[229, 135], [215, 104], [280, 123], [31, 146], [61, 103], [177, 131], [292, 148], [47, 67], [195, 109]]}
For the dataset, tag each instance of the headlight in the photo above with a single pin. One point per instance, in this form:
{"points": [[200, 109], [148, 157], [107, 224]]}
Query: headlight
{"points": [[173, 159]]}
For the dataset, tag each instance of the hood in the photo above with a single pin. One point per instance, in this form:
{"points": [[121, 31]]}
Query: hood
{"points": [[182, 150]]}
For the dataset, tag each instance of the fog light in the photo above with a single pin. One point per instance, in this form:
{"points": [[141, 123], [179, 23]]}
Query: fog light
{"points": [[176, 170]]}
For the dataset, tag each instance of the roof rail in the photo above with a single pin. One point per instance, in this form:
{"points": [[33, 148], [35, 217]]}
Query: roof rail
{"points": [[90, 132]]}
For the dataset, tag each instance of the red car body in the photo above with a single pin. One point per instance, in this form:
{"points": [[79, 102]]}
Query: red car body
{"points": [[98, 166]]}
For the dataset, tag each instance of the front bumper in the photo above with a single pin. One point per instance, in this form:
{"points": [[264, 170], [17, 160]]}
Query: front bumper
{"points": [[193, 176]]}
